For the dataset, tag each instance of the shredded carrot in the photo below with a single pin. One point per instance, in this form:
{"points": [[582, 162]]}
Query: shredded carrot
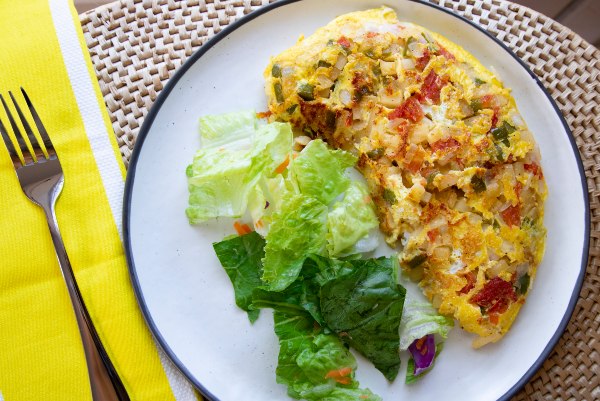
{"points": [[341, 376], [263, 114], [281, 168], [259, 223], [241, 228]]}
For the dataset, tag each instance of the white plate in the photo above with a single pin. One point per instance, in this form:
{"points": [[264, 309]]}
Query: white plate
{"points": [[186, 296]]}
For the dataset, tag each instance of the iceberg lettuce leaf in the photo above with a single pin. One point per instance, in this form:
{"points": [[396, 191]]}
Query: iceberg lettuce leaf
{"points": [[350, 219], [320, 171]]}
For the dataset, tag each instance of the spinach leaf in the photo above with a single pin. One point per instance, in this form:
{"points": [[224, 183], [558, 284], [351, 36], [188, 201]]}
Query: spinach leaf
{"points": [[364, 307], [241, 258]]}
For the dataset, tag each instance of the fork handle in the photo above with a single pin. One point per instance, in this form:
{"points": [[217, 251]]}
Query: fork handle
{"points": [[105, 382]]}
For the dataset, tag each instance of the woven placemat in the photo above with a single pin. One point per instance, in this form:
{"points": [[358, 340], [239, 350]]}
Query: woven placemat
{"points": [[136, 45]]}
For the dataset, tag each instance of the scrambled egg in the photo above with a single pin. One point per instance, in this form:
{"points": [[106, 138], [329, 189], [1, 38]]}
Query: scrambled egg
{"points": [[453, 169]]}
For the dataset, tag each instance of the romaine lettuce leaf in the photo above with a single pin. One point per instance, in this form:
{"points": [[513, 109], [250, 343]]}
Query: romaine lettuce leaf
{"points": [[241, 257], [311, 363], [320, 171], [364, 306], [350, 219], [297, 229], [225, 170]]}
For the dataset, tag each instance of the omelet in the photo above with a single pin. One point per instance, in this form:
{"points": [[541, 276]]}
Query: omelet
{"points": [[451, 165]]}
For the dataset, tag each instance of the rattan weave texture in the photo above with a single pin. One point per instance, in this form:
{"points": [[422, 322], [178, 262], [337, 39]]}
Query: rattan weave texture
{"points": [[136, 45]]}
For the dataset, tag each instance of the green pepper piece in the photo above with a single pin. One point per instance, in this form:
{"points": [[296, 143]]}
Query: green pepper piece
{"points": [[476, 105], [375, 153], [502, 132], [291, 109], [377, 70], [278, 92], [305, 91], [389, 196], [408, 42], [417, 260], [430, 179], [479, 81], [524, 283], [496, 225], [323, 63], [478, 184], [276, 71]]}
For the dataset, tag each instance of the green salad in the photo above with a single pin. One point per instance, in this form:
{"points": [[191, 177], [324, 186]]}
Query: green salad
{"points": [[305, 232]]}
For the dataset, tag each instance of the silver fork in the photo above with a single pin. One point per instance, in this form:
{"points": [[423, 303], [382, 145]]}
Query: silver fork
{"points": [[42, 179]]}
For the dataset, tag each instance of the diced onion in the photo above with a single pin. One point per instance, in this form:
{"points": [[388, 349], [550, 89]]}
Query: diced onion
{"points": [[388, 67], [345, 97], [324, 81], [407, 64], [341, 62]]}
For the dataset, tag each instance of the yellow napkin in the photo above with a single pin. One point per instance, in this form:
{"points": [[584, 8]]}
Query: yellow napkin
{"points": [[43, 50]]}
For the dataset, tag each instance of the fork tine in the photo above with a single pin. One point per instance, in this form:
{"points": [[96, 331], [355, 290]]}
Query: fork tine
{"points": [[8, 143], [18, 134], [30, 135], [38, 123]]}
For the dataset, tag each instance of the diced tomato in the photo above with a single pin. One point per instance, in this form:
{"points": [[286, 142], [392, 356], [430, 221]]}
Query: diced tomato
{"points": [[372, 34], [486, 101], [241, 228], [341, 376], [495, 117], [494, 291], [444, 144], [518, 189], [433, 234], [344, 42], [349, 119], [512, 215], [534, 169], [471, 279], [431, 88], [423, 60], [442, 51], [499, 307], [409, 109]]}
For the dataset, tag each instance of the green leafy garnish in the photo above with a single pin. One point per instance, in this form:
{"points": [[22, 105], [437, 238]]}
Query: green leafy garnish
{"points": [[298, 229], [319, 171], [349, 220], [364, 306]]}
